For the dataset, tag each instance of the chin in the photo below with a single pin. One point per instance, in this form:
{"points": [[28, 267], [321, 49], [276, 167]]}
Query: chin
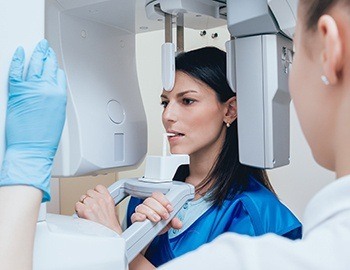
{"points": [[178, 151], [323, 162]]}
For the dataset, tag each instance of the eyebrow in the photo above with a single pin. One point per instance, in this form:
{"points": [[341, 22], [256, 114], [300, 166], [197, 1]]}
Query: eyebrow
{"points": [[180, 94]]}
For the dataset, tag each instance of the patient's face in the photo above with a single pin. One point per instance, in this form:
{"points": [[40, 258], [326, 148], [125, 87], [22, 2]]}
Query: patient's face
{"points": [[193, 112]]}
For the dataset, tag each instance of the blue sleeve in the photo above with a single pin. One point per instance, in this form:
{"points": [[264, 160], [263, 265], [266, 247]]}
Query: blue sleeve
{"points": [[242, 222], [268, 215], [246, 222], [294, 234]]}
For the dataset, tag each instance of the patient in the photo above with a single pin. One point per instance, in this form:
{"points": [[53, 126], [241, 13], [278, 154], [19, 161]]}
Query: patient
{"points": [[201, 111]]}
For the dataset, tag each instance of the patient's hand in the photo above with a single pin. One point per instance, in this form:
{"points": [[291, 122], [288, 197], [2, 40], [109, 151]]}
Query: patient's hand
{"points": [[155, 208], [98, 205]]}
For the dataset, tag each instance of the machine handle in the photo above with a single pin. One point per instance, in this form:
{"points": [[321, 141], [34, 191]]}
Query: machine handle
{"points": [[140, 234]]}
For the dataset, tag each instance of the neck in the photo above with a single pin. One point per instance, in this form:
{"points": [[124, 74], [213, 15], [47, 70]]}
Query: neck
{"points": [[342, 145], [342, 137], [201, 162], [199, 169], [342, 161]]}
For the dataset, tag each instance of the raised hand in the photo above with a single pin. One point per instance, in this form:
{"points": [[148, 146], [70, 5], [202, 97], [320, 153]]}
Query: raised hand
{"points": [[36, 112]]}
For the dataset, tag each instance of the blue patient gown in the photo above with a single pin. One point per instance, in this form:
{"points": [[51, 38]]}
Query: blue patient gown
{"points": [[254, 212]]}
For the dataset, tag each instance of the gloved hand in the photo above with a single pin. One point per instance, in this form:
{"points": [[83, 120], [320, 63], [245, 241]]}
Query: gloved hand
{"points": [[35, 119]]}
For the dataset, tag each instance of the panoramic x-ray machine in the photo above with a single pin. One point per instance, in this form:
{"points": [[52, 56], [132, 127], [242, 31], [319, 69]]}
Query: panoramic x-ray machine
{"points": [[106, 125]]}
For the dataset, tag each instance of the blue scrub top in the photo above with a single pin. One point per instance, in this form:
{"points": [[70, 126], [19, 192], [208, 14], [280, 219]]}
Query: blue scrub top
{"points": [[254, 212]]}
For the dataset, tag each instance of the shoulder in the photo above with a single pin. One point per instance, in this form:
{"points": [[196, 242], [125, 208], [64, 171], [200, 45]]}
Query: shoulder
{"points": [[267, 213]]}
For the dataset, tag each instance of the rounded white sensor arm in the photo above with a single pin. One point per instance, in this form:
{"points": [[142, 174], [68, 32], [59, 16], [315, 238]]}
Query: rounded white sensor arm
{"points": [[140, 234], [168, 66]]}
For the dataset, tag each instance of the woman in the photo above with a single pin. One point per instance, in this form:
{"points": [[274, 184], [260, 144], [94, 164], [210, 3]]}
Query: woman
{"points": [[320, 87], [201, 112]]}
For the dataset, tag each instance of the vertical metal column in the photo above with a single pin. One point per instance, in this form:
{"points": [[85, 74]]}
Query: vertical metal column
{"points": [[180, 35], [168, 20]]}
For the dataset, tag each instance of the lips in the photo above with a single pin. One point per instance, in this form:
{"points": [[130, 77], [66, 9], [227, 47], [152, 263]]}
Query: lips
{"points": [[176, 134]]}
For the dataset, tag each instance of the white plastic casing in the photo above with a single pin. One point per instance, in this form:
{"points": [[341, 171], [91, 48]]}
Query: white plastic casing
{"points": [[64, 242], [163, 168], [285, 12], [260, 73], [106, 123], [168, 66]]}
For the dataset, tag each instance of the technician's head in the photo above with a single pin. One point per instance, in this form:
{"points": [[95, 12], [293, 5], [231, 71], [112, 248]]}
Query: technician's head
{"points": [[319, 75]]}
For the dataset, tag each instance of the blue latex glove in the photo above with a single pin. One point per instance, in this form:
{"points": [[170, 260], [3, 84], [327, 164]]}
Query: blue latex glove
{"points": [[35, 118]]}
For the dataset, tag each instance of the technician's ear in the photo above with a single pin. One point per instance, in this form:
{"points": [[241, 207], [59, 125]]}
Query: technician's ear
{"points": [[230, 110], [331, 55]]}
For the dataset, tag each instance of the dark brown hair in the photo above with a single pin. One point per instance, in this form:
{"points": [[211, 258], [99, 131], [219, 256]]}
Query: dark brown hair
{"points": [[228, 177], [314, 9]]}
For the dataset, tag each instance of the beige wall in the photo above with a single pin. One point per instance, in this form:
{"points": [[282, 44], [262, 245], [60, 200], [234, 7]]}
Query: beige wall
{"points": [[72, 188]]}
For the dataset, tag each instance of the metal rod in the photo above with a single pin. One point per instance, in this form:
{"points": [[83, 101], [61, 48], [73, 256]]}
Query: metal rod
{"points": [[180, 34], [168, 28]]}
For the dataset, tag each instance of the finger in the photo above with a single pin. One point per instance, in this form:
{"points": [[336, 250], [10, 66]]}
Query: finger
{"points": [[104, 193], [150, 214], [50, 66], [136, 217], [86, 211], [156, 207], [36, 62], [93, 194], [17, 66], [102, 189], [160, 197], [80, 209], [82, 198], [165, 229], [78, 206], [90, 202], [176, 224], [102, 198]]}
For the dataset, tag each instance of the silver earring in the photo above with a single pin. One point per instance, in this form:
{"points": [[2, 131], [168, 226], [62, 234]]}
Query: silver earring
{"points": [[325, 80], [228, 124]]}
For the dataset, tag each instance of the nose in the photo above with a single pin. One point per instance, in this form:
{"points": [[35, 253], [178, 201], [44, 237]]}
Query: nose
{"points": [[170, 113]]}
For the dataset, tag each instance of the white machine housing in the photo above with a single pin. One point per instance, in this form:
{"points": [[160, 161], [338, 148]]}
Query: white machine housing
{"points": [[106, 123], [260, 57]]}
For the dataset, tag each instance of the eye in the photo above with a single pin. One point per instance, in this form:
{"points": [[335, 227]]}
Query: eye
{"points": [[187, 101], [164, 103]]}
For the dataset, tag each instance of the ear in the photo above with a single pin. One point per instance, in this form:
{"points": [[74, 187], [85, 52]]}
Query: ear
{"points": [[331, 55], [230, 110]]}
